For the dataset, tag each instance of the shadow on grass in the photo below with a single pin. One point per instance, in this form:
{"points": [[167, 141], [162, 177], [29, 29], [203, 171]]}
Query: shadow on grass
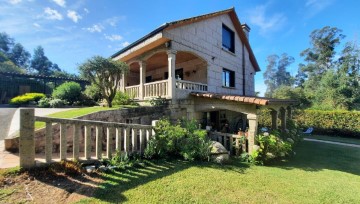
{"points": [[314, 156], [117, 182]]}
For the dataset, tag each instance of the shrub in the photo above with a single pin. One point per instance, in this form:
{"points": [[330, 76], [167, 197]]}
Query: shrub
{"points": [[123, 99], [44, 102], [183, 140], [27, 98], [343, 123], [93, 92], [158, 101], [57, 103], [68, 91]]}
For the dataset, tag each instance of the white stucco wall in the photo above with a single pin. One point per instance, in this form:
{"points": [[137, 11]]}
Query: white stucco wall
{"points": [[204, 38]]}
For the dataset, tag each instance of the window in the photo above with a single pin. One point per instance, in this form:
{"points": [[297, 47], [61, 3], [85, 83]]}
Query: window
{"points": [[228, 78], [228, 41]]}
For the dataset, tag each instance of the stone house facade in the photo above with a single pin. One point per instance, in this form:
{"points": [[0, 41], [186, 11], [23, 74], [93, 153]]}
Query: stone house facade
{"points": [[205, 67]]}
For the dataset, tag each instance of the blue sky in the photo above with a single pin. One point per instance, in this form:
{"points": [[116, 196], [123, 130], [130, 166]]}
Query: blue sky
{"points": [[72, 31]]}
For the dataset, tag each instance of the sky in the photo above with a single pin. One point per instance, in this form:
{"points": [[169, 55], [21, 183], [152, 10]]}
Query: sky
{"points": [[71, 31]]}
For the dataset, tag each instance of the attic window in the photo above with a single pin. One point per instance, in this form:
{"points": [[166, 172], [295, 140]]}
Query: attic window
{"points": [[228, 41]]}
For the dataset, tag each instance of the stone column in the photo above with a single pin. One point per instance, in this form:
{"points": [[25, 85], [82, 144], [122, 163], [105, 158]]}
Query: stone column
{"points": [[289, 112], [26, 140], [253, 124], [274, 117], [283, 119], [142, 65], [171, 76], [123, 83]]}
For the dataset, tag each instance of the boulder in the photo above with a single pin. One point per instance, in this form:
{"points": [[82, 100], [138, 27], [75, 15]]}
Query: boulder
{"points": [[219, 154]]}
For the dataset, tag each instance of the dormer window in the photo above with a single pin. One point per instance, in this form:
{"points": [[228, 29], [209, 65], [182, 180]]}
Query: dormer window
{"points": [[228, 39]]}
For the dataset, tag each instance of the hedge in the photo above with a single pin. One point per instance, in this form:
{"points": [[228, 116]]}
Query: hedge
{"points": [[341, 123], [26, 98]]}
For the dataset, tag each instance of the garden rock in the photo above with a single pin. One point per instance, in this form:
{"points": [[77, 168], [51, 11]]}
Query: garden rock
{"points": [[90, 169], [219, 154]]}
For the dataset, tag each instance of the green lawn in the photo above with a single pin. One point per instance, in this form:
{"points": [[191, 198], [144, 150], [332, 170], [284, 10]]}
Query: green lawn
{"points": [[335, 139], [319, 173], [74, 113]]}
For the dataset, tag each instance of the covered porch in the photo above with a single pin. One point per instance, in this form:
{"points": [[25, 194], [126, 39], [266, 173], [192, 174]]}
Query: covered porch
{"points": [[166, 74], [227, 115]]}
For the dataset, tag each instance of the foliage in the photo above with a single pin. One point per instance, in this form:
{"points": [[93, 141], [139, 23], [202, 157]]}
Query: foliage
{"points": [[40, 63], [344, 123], [276, 74], [93, 92], [105, 74], [122, 98], [57, 103], [19, 56], [289, 92], [183, 140], [26, 98], [124, 160], [71, 168], [44, 102], [68, 91], [158, 101], [8, 66]]}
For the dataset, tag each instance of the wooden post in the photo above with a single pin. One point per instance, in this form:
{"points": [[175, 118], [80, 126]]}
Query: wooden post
{"points": [[99, 135], [63, 144], [26, 140], [48, 142]]}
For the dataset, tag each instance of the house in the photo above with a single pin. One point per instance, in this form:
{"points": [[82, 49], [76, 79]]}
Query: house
{"points": [[205, 66]]}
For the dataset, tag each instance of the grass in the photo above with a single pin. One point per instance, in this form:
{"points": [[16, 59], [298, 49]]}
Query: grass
{"points": [[319, 173], [75, 113], [335, 139]]}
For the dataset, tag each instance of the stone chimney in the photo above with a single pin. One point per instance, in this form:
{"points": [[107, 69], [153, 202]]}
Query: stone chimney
{"points": [[246, 30]]}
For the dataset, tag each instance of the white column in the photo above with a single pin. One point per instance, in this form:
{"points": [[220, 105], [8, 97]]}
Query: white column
{"points": [[123, 83], [142, 79], [171, 75], [253, 124]]}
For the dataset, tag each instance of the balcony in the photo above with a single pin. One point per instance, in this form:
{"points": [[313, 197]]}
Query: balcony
{"points": [[161, 89]]}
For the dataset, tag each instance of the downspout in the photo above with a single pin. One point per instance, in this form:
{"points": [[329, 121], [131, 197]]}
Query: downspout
{"points": [[243, 67]]}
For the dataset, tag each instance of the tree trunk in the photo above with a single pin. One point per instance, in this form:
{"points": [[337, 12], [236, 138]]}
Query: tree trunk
{"points": [[109, 102]]}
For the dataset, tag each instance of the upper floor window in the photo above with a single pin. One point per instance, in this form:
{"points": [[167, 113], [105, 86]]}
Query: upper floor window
{"points": [[228, 39], [228, 78]]}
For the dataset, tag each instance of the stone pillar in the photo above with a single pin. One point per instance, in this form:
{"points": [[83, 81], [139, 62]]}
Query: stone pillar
{"points": [[171, 75], [253, 124], [274, 117], [123, 83], [289, 112], [283, 119], [26, 140], [142, 65]]}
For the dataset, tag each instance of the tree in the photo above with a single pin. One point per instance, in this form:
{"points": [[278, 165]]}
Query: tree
{"points": [[276, 74], [7, 66], [6, 43], [41, 63], [20, 56], [104, 73]]}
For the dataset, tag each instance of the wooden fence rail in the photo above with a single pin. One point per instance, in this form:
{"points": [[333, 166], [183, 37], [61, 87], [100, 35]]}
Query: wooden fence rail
{"points": [[129, 137]]}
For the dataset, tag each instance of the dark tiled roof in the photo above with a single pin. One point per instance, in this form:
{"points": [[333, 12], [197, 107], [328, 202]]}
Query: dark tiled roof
{"points": [[14, 74], [246, 99]]}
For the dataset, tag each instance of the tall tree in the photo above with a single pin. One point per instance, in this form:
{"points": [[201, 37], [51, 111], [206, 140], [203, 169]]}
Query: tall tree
{"points": [[41, 63], [105, 74], [6, 42], [276, 73], [20, 56]]}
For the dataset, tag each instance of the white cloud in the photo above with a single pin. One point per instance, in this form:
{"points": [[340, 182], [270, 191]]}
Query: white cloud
{"points": [[36, 25], [266, 23], [114, 20], [124, 44], [73, 16], [61, 3], [113, 37], [14, 1], [52, 14], [95, 28], [315, 6], [86, 10]]}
